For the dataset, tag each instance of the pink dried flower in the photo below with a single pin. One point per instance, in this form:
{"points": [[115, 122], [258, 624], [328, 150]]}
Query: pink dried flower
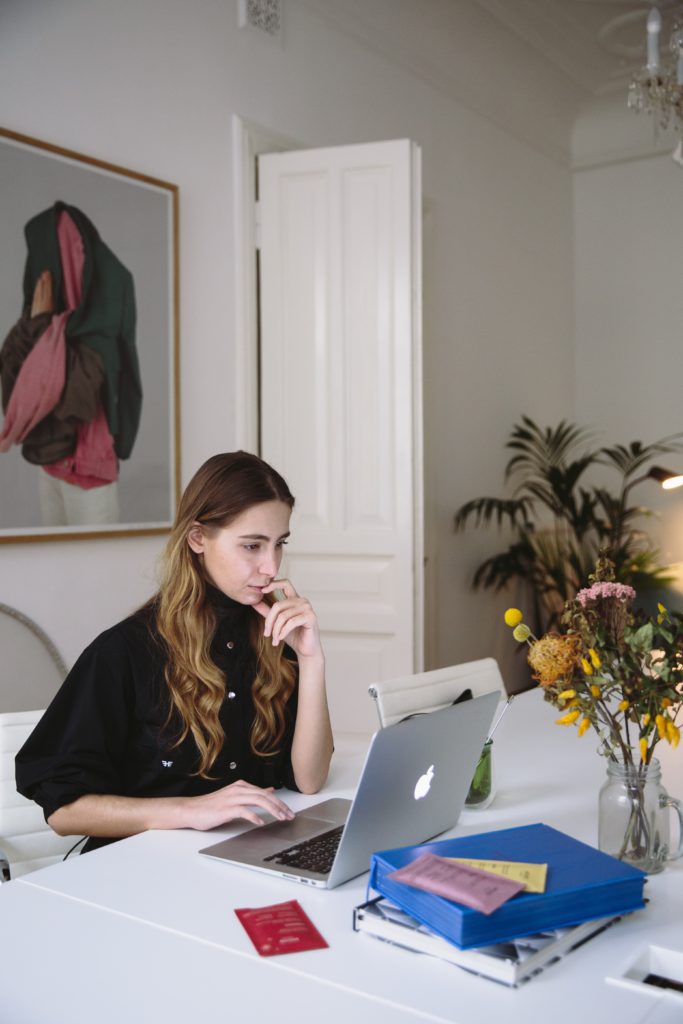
{"points": [[612, 602], [600, 591]]}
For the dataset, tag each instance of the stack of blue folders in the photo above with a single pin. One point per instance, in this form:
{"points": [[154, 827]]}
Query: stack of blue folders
{"points": [[582, 884]]}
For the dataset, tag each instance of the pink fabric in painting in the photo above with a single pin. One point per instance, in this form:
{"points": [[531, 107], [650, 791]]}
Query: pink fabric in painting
{"points": [[40, 381], [94, 462]]}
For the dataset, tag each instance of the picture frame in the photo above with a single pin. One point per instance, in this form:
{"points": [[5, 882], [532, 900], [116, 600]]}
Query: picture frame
{"points": [[126, 312]]}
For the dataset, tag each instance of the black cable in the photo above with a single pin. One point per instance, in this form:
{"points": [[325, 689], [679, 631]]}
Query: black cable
{"points": [[69, 852]]}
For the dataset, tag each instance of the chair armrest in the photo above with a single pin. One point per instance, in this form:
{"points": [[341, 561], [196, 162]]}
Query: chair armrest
{"points": [[5, 875]]}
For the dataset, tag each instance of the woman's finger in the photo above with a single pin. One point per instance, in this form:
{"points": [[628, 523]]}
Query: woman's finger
{"points": [[281, 624], [247, 790], [285, 586], [269, 804], [284, 629], [277, 611], [251, 816], [244, 793]]}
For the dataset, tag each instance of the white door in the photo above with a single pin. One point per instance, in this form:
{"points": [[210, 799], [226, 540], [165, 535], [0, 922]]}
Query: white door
{"points": [[341, 400]]}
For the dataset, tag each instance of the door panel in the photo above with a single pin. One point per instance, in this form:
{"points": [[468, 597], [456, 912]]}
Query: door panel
{"points": [[340, 402]]}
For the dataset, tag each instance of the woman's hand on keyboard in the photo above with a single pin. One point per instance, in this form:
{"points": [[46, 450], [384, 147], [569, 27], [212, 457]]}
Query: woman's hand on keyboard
{"points": [[238, 800]]}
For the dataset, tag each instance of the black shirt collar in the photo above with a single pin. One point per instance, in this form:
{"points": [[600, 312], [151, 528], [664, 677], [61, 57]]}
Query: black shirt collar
{"points": [[224, 606]]}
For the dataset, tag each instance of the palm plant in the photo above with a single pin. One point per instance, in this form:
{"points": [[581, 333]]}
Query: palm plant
{"points": [[560, 522]]}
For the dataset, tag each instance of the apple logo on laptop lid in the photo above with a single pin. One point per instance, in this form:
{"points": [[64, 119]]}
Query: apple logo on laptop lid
{"points": [[423, 783]]}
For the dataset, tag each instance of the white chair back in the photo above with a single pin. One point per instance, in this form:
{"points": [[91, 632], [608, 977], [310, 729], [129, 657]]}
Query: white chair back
{"points": [[26, 840], [31, 672], [430, 691], [32, 668]]}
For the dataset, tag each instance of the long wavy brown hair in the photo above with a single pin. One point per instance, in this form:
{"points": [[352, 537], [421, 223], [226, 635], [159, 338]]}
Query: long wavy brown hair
{"points": [[220, 491]]}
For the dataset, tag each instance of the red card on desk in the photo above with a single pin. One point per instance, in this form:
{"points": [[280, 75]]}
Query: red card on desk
{"points": [[280, 928]]}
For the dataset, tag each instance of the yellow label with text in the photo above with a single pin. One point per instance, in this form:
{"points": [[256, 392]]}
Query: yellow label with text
{"points": [[533, 875]]}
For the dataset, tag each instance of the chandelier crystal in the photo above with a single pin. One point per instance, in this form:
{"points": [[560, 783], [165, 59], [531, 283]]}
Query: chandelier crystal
{"points": [[657, 88]]}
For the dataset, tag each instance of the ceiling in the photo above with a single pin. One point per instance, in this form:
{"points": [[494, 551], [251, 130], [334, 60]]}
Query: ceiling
{"points": [[532, 67], [596, 43]]}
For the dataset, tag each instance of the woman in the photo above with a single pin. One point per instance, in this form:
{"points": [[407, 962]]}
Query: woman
{"points": [[191, 712]]}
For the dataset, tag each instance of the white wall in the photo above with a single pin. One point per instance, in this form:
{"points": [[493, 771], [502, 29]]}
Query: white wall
{"points": [[629, 300], [498, 343], [152, 85]]}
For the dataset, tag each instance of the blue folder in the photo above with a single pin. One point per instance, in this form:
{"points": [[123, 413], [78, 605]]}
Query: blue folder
{"points": [[582, 884]]}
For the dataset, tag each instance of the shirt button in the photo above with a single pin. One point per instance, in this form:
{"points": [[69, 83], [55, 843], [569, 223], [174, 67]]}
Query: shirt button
{"points": [[232, 695], [230, 644], [233, 765]]}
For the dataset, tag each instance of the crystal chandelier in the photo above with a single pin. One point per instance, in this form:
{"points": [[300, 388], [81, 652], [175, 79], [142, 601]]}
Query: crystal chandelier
{"points": [[658, 87]]}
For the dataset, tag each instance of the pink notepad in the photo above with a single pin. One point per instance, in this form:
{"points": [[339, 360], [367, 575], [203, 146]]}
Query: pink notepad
{"points": [[480, 890]]}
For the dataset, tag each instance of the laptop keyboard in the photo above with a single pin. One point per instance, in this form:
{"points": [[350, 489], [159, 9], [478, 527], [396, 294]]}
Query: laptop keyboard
{"points": [[316, 854]]}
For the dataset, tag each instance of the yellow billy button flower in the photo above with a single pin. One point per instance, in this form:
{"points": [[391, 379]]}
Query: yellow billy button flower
{"points": [[569, 718], [521, 632], [660, 722], [595, 658], [623, 705], [673, 734], [567, 694], [513, 617], [587, 667], [595, 690], [665, 702], [643, 749], [583, 726], [646, 719], [661, 608]]}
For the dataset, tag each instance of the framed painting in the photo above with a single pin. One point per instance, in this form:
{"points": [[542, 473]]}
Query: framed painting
{"points": [[89, 347]]}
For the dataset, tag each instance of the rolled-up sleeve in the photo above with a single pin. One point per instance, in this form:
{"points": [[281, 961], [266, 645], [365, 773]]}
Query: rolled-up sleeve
{"points": [[79, 745]]}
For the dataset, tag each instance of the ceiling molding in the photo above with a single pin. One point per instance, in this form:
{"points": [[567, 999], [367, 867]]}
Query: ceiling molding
{"points": [[549, 28], [406, 47], [598, 43]]}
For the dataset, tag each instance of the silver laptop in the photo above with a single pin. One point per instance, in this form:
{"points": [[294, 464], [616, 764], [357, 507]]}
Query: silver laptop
{"points": [[413, 786]]}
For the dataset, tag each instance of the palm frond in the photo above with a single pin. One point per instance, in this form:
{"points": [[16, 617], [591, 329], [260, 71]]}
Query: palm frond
{"points": [[630, 459], [513, 511], [496, 572], [537, 448]]}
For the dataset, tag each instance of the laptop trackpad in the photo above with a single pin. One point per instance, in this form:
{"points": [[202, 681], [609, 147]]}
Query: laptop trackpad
{"points": [[291, 832]]}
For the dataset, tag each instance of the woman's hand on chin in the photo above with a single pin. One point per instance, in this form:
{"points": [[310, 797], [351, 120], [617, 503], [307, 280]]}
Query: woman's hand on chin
{"points": [[292, 619]]}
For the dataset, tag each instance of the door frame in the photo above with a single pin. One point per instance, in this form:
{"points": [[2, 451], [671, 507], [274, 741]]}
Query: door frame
{"points": [[249, 140]]}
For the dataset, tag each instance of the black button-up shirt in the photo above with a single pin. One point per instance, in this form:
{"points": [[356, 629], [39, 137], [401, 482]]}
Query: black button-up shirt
{"points": [[103, 732]]}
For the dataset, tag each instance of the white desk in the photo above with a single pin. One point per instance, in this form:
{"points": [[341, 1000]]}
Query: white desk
{"points": [[144, 930]]}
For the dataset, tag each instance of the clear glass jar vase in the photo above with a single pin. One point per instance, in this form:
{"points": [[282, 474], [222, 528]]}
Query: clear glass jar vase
{"points": [[634, 817]]}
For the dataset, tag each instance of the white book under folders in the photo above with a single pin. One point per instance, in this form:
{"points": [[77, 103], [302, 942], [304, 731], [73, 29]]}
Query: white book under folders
{"points": [[510, 963]]}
